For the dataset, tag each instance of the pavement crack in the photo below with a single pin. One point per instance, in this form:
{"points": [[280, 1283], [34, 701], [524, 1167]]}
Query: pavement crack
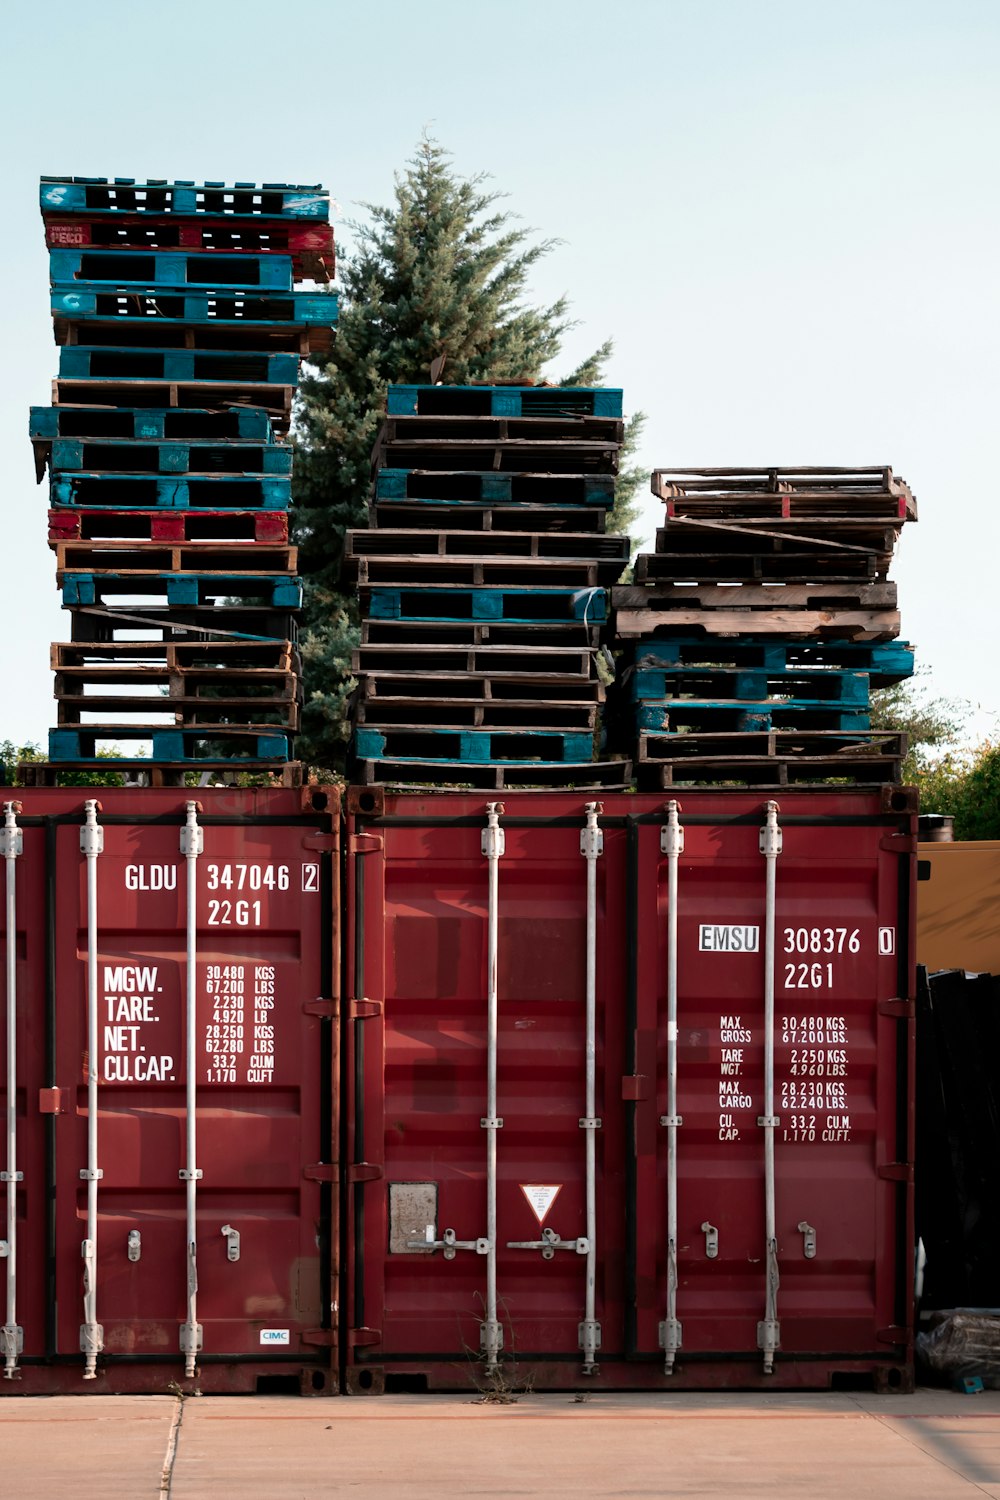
{"points": [[167, 1475]]}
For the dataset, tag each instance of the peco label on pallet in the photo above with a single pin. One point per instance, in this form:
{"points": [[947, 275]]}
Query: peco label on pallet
{"points": [[713, 939]]}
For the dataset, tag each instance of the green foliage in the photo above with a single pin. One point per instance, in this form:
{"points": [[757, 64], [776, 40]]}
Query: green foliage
{"points": [[11, 756], [434, 290], [968, 787], [930, 724]]}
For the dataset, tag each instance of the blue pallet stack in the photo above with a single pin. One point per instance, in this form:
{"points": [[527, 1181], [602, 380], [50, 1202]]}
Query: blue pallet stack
{"points": [[181, 318], [754, 633], [483, 580]]}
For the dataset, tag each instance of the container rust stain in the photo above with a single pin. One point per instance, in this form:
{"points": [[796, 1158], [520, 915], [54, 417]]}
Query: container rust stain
{"points": [[142, 1147], [709, 1265]]}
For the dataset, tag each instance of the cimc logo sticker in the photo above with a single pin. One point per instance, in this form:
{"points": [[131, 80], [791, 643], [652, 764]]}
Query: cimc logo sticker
{"points": [[886, 941], [275, 1336]]}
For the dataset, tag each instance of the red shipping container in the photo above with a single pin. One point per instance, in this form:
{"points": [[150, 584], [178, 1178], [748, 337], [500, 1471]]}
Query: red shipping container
{"points": [[629, 1089], [171, 1209]]}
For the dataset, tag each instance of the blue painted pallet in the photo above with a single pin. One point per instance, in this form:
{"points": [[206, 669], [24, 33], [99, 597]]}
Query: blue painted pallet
{"points": [[95, 269], [279, 592], [530, 605], [686, 715], [246, 308], [725, 684], [475, 746], [130, 195], [885, 662], [475, 488], [148, 492], [503, 401], [223, 459], [151, 424], [86, 362], [167, 744]]}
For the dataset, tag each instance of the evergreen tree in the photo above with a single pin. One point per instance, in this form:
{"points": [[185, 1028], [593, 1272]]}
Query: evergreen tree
{"points": [[434, 290]]}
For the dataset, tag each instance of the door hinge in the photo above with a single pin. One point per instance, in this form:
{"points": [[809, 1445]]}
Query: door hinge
{"points": [[363, 1171], [357, 1336], [327, 1010], [894, 1335], [900, 1010], [364, 1009], [321, 843], [896, 1171], [50, 1102], [635, 1086], [898, 843], [365, 843], [321, 1171], [325, 1338]]}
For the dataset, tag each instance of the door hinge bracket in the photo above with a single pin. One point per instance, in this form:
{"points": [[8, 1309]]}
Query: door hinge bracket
{"points": [[327, 1010], [357, 1336], [363, 1171], [900, 1010], [896, 1171], [321, 1171], [894, 1335], [321, 843], [898, 843], [364, 1009], [365, 843], [324, 1338]]}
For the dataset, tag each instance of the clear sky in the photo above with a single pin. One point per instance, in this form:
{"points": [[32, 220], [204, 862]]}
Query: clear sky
{"points": [[785, 213]]}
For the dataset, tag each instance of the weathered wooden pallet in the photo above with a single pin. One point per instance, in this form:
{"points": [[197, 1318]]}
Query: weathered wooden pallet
{"points": [[142, 424], [115, 491], [752, 684], [156, 622], [192, 712], [265, 526], [683, 716], [609, 775], [774, 759], [588, 605], [476, 488], [134, 558], [480, 687], [310, 246], [182, 589], [108, 456], [276, 400], [557, 546], [456, 515], [503, 401], [811, 479], [141, 772], [94, 269], [470, 633], [456, 715], [415, 742], [786, 566], [662, 597], [218, 305], [469, 661], [178, 744], [268, 662], [885, 663], [131, 195], [833, 534], [575, 427], [793, 624], [517, 456], [226, 367], [467, 572], [221, 338]]}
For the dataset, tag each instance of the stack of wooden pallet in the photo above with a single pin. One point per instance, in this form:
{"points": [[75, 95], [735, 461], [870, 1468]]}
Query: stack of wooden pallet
{"points": [[754, 633], [482, 581], [169, 478]]}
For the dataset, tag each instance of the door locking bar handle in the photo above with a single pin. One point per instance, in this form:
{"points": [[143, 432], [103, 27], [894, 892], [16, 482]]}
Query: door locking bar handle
{"points": [[711, 1240], [449, 1244], [550, 1242], [232, 1242], [808, 1234]]}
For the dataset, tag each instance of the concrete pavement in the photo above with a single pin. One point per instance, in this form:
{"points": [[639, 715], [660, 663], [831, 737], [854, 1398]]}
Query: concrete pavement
{"points": [[934, 1445]]}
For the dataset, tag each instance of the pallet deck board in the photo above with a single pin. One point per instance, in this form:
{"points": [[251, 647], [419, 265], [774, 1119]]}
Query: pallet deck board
{"points": [[409, 573], [521, 747], [138, 559], [661, 597], [885, 663], [750, 684], [160, 660], [157, 622], [492, 455], [141, 772], [570, 427], [309, 245], [115, 195], [97, 268], [784, 566], [246, 424], [170, 744], [683, 716], [503, 400], [117, 491], [794, 624], [474, 487], [474, 633], [509, 545], [204, 716], [177, 364], [563, 662], [482, 519], [457, 715], [406, 775], [442, 602], [280, 592], [213, 457], [275, 400]]}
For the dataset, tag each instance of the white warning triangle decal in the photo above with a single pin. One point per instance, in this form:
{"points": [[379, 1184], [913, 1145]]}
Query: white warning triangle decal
{"points": [[540, 1197]]}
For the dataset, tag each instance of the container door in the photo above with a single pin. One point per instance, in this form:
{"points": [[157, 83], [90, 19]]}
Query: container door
{"points": [[240, 1153], [830, 1277], [430, 1150]]}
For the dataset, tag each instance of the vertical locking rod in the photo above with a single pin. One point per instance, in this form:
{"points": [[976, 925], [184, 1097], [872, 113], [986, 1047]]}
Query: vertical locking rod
{"points": [[769, 1330], [492, 843], [192, 843], [12, 1336], [672, 845], [591, 847], [91, 1333]]}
